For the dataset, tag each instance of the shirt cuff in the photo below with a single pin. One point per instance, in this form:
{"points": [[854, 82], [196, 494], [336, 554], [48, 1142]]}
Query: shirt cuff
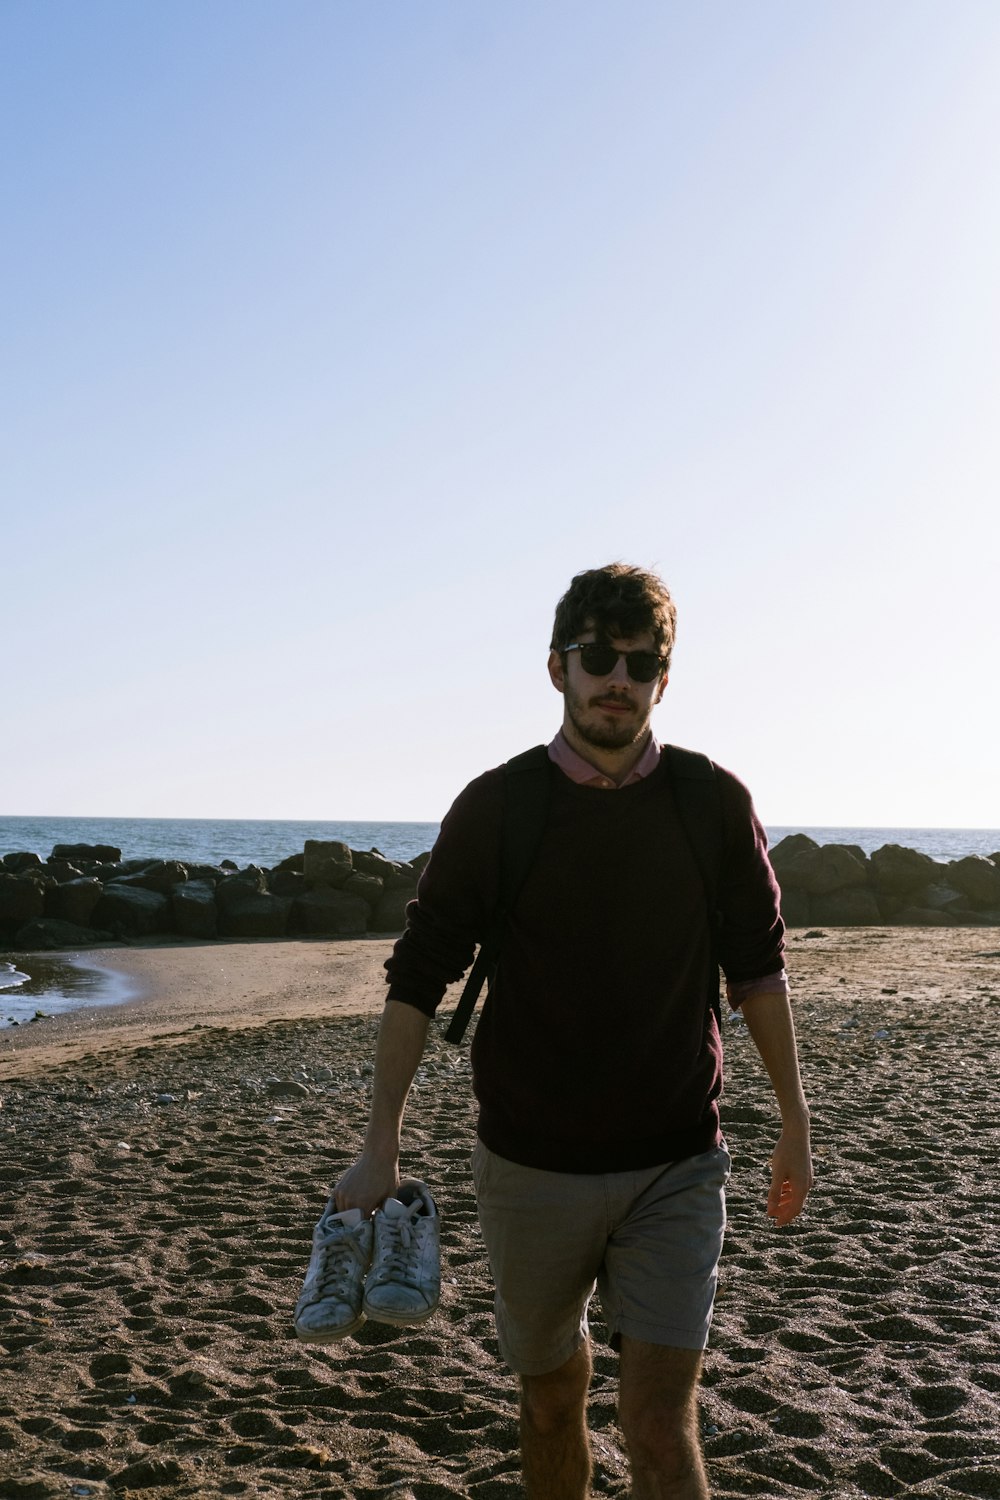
{"points": [[769, 984]]}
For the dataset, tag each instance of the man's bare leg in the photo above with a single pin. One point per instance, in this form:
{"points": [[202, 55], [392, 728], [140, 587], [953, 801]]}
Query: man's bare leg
{"points": [[555, 1445], [657, 1405]]}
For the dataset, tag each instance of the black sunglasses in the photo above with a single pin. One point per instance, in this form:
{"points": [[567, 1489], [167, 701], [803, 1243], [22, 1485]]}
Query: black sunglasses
{"points": [[600, 661]]}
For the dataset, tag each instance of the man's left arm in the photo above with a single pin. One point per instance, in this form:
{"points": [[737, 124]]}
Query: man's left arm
{"points": [[768, 1016]]}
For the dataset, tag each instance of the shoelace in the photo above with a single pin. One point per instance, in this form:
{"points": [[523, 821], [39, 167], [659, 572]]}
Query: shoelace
{"points": [[340, 1248], [404, 1233]]}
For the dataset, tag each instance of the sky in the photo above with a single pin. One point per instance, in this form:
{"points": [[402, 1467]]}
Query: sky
{"points": [[337, 337]]}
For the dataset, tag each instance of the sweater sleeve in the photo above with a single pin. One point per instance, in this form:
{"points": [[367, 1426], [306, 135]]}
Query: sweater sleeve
{"points": [[456, 895], [752, 936]]}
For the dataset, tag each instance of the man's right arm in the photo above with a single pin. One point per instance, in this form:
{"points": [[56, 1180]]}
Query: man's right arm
{"points": [[375, 1175]]}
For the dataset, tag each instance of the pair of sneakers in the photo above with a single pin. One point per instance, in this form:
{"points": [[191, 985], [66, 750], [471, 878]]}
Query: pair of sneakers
{"points": [[386, 1268]]}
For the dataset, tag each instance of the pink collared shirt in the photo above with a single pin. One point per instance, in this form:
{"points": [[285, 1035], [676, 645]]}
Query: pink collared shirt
{"points": [[573, 765]]}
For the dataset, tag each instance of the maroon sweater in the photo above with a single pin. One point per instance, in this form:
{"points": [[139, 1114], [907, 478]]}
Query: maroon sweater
{"points": [[597, 1049]]}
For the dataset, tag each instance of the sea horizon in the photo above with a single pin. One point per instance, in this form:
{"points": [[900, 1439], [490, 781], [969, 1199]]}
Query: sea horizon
{"points": [[267, 841]]}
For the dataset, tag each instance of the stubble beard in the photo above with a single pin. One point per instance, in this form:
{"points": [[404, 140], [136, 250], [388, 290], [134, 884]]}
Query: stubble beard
{"points": [[603, 734]]}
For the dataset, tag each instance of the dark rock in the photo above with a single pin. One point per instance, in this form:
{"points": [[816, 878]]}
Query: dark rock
{"points": [[400, 878], [295, 862], [829, 867], [390, 914], [923, 916], [939, 897], [851, 906], [286, 1088], [228, 864], [795, 908], [368, 887], [210, 873], [21, 898], [194, 910], [75, 900], [790, 847], [97, 853], [900, 871], [372, 864], [49, 933], [250, 913], [234, 887], [977, 878], [104, 872], [327, 911], [62, 869], [326, 862], [18, 863], [131, 912], [419, 863], [160, 875], [286, 882]]}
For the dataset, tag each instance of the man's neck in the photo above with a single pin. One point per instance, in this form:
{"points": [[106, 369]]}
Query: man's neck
{"points": [[617, 765]]}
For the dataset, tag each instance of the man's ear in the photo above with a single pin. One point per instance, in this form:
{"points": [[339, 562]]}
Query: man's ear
{"points": [[557, 672], [659, 691]]}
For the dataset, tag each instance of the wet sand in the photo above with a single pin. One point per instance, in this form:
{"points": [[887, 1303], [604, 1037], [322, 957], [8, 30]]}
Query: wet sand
{"points": [[159, 1200]]}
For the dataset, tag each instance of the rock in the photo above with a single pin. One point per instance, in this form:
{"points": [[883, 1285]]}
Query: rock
{"points": [[795, 908], [326, 862], [372, 863], [851, 906], [228, 864], [210, 873], [899, 871], [939, 897], [19, 863], [368, 887], [250, 913], [49, 934], [194, 910], [286, 1088], [400, 878], [75, 901], [286, 882], [419, 863], [923, 916], [790, 847], [160, 875], [21, 898], [234, 887], [977, 878], [295, 863], [390, 914], [130, 911], [62, 869], [97, 853], [326, 911], [829, 867]]}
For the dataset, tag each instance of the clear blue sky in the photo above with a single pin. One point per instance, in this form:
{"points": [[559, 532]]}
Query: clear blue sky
{"points": [[338, 336]]}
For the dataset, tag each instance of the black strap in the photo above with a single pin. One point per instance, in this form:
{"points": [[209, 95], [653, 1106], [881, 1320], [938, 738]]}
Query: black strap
{"points": [[527, 781], [699, 807]]}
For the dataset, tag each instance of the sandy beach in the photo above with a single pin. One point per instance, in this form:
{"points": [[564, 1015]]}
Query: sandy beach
{"points": [[160, 1192]]}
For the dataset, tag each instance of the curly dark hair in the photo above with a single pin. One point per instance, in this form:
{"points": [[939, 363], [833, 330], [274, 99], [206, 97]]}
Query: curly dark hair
{"points": [[617, 600]]}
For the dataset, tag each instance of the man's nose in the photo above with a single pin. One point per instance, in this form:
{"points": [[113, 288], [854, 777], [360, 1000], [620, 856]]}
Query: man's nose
{"points": [[620, 673]]}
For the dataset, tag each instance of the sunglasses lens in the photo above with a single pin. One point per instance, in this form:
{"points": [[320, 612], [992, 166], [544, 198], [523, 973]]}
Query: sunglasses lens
{"points": [[642, 666], [598, 661]]}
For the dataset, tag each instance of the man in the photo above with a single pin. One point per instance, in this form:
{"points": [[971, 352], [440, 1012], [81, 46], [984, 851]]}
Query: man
{"points": [[597, 1060]]}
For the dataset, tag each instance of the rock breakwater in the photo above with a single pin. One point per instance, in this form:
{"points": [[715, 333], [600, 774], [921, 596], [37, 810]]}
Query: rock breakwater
{"points": [[84, 895]]}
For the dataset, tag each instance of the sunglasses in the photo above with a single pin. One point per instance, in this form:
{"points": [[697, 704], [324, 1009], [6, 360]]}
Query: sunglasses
{"points": [[600, 661]]}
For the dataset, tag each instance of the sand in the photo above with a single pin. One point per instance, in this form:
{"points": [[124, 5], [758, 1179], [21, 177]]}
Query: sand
{"points": [[152, 1247]]}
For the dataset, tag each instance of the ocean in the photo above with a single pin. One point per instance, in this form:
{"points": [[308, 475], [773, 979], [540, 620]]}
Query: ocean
{"points": [[32, 983]]}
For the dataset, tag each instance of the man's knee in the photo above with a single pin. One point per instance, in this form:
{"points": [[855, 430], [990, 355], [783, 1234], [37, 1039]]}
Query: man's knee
{"points": [[658, 1404], [559, 1396]]}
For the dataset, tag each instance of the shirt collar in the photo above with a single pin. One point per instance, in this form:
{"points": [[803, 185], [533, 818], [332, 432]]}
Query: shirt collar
{"points": [[573, 765]]}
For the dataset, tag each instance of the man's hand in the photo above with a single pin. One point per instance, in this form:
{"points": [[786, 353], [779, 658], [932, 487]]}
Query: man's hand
{"points": [[367, 1184], [791, 1176]]}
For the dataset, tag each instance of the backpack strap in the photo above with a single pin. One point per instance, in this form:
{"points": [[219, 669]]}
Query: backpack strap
{"points": [[699, 807], [527, 782]]}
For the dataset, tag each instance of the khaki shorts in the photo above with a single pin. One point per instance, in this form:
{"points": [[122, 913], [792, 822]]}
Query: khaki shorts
{"points": [[649, 1241]]}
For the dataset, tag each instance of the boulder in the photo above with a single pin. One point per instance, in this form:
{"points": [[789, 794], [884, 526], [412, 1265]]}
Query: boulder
{"points": [[899, 871], [18, 863], [131, 912], [939, 897], [210, 873], [418, 864], [788, 848], [370, 862], [286, 882], [74, 900], [21, 898], [977, 878], [62, 869], [400, 878], [294, 862], [828, 867], [368, 887], [160, 875], [851, 906], [194, 910], [232, 888], [325, 910], [923, 916], [390, 914], [326, 862], [96, 853], [49, 933], [250, 913], [795, 909]]}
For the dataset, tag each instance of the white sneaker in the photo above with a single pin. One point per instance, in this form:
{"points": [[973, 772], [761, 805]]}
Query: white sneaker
{"points": [[329, 1307], [404, 1283]]}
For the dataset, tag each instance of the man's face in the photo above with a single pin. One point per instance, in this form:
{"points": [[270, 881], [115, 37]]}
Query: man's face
{"points": [[611, 712]]}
